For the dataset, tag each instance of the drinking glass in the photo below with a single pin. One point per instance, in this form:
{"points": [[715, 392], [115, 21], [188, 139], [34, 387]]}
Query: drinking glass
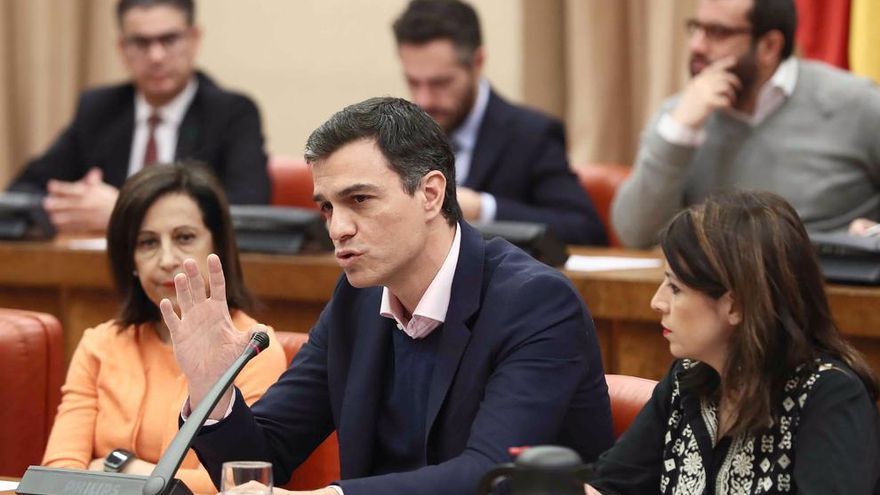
{"points": [[246, 478]]}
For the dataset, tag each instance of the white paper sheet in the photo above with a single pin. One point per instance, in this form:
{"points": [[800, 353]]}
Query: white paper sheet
{"points": [[8, 485], [90, 244], [600, 263]]}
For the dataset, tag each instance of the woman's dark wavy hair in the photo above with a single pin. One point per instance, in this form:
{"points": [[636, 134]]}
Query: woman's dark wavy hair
{"points": [[138, 193], [753, 245]]}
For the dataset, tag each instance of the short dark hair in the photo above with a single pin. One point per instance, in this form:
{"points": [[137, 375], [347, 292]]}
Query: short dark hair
{"points": [[779, 15], [428, 20], [188, 7], [136, 196], [411, 141]]}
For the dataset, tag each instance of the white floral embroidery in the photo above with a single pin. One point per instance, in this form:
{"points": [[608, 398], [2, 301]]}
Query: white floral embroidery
{"points": [[692, 463], [759, 465]]}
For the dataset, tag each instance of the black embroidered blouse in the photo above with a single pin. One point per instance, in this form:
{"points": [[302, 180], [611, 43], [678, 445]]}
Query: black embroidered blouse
{"points": [[826, 441]]}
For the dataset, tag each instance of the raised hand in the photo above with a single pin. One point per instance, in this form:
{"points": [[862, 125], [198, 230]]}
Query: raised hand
{"points": [[713, 88], [205, 340]]}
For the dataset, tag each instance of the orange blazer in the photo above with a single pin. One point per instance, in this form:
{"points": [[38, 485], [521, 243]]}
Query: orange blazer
{"points": [[125, 390]]}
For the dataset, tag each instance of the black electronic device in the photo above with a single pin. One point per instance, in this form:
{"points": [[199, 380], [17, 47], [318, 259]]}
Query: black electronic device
{"points": [[22, 217], [117, 459], [39, 480], [279, 229], [533, 238], [847, 258]]}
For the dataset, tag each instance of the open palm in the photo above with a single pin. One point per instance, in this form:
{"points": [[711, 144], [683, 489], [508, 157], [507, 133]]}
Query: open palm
{"points": [[205, 340]]}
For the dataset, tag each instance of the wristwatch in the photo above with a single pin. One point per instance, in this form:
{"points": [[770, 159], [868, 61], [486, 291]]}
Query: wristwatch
{"points": [[117, 459]]}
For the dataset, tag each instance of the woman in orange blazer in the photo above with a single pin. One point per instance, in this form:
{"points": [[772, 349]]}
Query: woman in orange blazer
{"points": [[124, 389]]}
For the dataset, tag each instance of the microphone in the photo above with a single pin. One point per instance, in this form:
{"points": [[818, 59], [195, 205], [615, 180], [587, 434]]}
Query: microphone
{"points": [[40, 480], [164, 471]]}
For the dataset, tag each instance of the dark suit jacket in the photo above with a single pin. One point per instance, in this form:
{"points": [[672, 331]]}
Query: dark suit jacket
{"points": [[520, 159], [219, 128], [518, 364]]}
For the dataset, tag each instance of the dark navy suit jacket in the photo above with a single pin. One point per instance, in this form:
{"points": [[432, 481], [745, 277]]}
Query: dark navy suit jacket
{"points": [[520, 159], [219, 128], [518, 364]]}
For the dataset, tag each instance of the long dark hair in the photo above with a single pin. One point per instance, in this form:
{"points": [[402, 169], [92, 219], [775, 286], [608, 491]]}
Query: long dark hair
{"points": [[138, 193], [753, 245]]}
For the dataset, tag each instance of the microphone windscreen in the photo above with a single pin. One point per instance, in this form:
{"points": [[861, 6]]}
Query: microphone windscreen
{"points": [[260, 340]]}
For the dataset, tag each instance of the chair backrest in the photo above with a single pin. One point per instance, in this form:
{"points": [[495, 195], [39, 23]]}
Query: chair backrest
{"points": [[628, 394], [601, 181], [31, 375], [291, 182], [322, 467]]}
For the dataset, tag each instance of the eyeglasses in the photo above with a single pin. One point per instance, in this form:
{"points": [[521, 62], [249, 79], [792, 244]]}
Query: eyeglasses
{"points": [[715, 32], [140, 45]]}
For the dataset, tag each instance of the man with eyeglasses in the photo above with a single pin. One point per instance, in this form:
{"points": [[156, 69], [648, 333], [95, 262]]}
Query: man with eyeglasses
{"points": [[168, 112], [754, 116]]}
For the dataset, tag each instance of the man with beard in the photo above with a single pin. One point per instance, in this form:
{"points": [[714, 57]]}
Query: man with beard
{"points": [[753, 116], [510, 161], [169, 111]]}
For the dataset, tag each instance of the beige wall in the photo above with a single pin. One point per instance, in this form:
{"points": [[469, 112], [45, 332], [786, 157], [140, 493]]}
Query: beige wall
{"points": [[302, 60]]}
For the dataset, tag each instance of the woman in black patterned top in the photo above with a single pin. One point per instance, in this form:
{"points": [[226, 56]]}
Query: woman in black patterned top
{"points": [[766, 396]]}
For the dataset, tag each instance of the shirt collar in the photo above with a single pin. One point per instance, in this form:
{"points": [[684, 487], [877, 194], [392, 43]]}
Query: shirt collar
{"points": [[465, 136], [773, 93], [170, 113], [786, 75], [431, 310]]}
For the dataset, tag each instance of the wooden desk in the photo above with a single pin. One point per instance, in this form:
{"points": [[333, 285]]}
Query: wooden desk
{"points": [[75, 286]]}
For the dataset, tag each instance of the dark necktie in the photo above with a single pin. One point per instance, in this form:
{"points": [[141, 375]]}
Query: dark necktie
{"points": [[151, 154]]}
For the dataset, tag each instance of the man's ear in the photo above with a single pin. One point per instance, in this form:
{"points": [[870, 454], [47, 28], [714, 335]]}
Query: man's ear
{"points": [[731, 309], [769, 49], [479, 60], [433, 189]]}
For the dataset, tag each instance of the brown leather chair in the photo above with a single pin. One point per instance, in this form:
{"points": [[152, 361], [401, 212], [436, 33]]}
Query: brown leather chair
{"points": [[291, 182], [628, 394], [322, 467], [601, 181], [31, 374]]}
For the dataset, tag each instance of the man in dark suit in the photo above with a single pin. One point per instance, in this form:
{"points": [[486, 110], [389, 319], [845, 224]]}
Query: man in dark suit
{"points": [[510, 161], [167, 112], [438, 351]]}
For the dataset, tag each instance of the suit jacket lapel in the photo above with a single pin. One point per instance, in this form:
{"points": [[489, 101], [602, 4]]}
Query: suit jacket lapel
{"points": [[190, 130], [491, 143], [363, 392], [117, 143], [190, 134], [463, 303]]}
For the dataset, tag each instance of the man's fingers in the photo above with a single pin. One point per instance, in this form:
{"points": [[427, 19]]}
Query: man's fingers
{"points": [[57, 203], [216, 278], [169, 316], [94, 176], [195, 280], [184, 296], [723, 63], [62, 188]]}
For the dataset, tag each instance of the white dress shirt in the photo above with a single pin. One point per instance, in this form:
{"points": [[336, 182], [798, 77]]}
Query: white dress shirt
{"points": [[171, 115]]}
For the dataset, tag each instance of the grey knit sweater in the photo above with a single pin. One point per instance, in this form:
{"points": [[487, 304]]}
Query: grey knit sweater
{"points": [[820, 150]]}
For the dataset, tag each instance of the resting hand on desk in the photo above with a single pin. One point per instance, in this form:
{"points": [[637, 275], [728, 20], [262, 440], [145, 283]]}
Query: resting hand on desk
{"points": [[863, 226], [81, 206], [470, 203], [205, 341]]}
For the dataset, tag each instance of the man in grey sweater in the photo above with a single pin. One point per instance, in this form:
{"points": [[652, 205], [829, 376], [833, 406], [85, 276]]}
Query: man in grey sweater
{"points": [[753, 116]]}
